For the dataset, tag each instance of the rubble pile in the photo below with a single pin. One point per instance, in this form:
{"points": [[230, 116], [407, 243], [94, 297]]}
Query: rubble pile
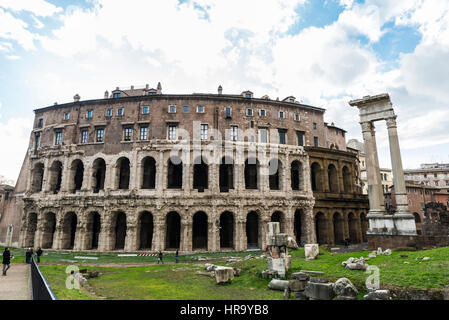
{"points": [[278, 260], [355, 264]]}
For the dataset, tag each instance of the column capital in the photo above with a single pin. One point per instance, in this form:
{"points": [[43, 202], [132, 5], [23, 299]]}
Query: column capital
{"points": [[391, 122], [367, 126]]}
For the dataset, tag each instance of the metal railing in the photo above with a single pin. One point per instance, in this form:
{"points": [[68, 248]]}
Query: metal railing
{"points": [[40, 287]]}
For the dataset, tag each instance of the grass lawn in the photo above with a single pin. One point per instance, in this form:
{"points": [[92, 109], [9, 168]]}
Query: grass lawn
{"points": [[182, 281]]}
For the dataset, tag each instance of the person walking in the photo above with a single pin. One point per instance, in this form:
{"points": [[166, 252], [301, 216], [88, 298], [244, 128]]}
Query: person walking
{"points": [[6, 260], [28, 256], [159, 260], [38, 254], [176, 255]]}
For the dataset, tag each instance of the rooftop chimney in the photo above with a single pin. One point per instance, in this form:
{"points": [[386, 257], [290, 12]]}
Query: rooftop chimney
{"points": [[132, 87], [147, 86], [76, 97], [159, 88], [220, 90], [106, 94]]}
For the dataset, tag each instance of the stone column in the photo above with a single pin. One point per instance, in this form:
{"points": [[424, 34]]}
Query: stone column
{"points": [[309, 236], [375, 193]]}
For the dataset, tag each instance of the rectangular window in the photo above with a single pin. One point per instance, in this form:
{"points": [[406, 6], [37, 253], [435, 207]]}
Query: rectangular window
{"points": [[172, 132], [297, 117], [40, 123], [228, 111], [314, 126], [84, 135], [37, 141], [89, 114], [120, 112], [249, 112], [67, 116], [100, 135], [186, 109], [109, 112], [143, 133], [248, 95], [116, 95], [200, 109], [58, 140], [128, 134], [282, 136], [300, 136], [204, 132], [171, 109], [262, 113], [263, 138], [145, 110], [281, 114], [315, 141], [234, 133]]}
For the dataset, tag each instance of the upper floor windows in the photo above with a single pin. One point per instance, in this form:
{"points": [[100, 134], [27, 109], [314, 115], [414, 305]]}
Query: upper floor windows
{"points": [[116, 95], [172, 132], [282, 136], [281, 115], [297, 117], [40, 123], [58, 139], [200, 109], [37, 140], [109, 112], [315, 141], [120, 112], [234, 133], [314, 126], [186, 109], [228, 112], [172, 109], [144, 133], [249, 112], [262, 112], [204, 132], [263, 136], [145, 109], [300, 136], [67, 116], [89, 114], [100, 135], [248, 95], [127, 134], [84, 135]]}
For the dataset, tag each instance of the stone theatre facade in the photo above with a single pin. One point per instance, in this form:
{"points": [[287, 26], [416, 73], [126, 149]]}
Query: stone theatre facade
{"points": [[142, 170]]}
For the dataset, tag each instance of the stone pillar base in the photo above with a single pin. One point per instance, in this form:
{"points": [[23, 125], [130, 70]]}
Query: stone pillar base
{"points": [[397, 224]]}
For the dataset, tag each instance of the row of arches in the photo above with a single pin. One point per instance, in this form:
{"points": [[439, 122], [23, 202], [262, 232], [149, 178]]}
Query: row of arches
{"points": [[88, 233], [332, 230], [174, 174], [318, 176]]}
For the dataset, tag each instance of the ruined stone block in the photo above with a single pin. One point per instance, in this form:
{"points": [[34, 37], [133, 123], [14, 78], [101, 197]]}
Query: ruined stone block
{"points": [[224, 274], [297, 285], [320, 291], [311, 251], [276, 284]]}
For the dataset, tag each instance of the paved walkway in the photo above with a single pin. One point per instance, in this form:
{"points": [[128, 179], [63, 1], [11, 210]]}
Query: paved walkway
{"points": [[17, 284]]}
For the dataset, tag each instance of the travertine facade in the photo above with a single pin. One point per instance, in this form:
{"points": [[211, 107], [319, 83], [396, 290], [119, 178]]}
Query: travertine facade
{"points": [[141, 170]]}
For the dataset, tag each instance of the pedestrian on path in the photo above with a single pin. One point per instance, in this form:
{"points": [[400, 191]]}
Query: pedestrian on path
{"points": [[159, 260], [28, 256], [176, 255], [6, 260], [38, 254]]}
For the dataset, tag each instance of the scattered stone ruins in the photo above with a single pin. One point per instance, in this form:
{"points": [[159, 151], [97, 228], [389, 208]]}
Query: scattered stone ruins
{"points": [[142, 170]]}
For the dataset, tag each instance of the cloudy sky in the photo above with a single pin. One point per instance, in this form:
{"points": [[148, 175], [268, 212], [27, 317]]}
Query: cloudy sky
{"points": [[323, 52]]}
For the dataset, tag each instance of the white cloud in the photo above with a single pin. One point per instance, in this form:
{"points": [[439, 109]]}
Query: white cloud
{"points": [[15, 135], [13, 57], [38, 7], [15, 29]]}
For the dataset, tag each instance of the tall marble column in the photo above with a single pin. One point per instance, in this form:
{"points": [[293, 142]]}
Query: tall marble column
{"points": [[375, 193]]}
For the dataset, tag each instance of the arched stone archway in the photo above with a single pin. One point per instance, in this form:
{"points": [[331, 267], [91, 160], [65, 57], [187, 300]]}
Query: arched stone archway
{"points": [[93, 229], [199, 231], [227, 230], [252, 230], [120, 230], [296, 174], [69, 230], [76, 175], [274, 169], [251, 174], [123, 173], [173, 230], [99, 174], [146, 229], [338, 222], [200, 174], [30, 231], [174, 173], [55, 177], [37, 177], [278, 216], [226, 174], [297, 226], [316, 177], [148, 173], [321, 226], [347, 180], [332, 178]]}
